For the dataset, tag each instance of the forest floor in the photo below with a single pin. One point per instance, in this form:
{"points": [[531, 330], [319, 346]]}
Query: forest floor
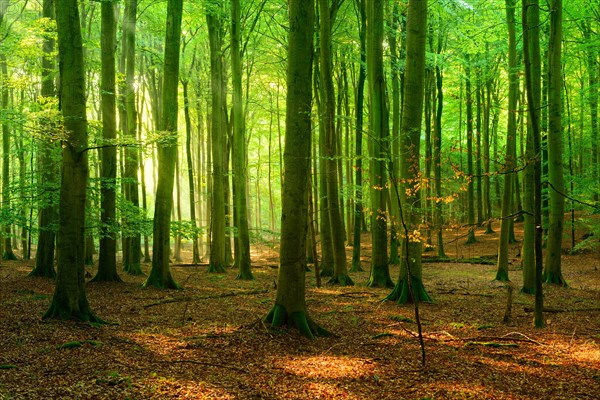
{"points": [[208, 341]]}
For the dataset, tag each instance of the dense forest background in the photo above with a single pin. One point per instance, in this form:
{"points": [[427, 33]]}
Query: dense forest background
{"points": [[327, 151], [184, 133]]}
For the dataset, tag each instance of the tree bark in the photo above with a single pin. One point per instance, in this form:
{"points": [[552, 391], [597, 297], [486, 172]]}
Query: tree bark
{"points": [[107, 262], [410, 285], [160, 275], [290, 304], [552, 271], [70, 300]]}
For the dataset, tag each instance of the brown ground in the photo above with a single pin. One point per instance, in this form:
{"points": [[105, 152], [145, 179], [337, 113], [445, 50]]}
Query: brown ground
{"points": [[212, 346]]}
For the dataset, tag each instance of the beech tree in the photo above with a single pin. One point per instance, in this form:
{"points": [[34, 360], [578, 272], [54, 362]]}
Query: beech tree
{"points": [[290, 304], [70, 300], [47, 165], [160, 275], [409, 286]]}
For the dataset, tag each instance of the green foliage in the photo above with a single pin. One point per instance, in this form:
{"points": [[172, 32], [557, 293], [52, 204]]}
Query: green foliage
{"points": [[186, 229], [402, 318]]}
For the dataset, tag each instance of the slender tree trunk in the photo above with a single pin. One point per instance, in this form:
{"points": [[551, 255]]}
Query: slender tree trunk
{"points": [[240, 156], [511, 135], [107, 262], [531, 49], [190, 172], [218, 136], [380, 273], [470, 172], [340, 272], [362, 75], [552, 271], [8, 253], [47, 165], [160, 275]]}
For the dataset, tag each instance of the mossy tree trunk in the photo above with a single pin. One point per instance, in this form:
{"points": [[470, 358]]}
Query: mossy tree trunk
{"points": [[107, 263], [290, 304], [160, 275], [380, 273], [47, 164], [70, 300], [410, 281]]}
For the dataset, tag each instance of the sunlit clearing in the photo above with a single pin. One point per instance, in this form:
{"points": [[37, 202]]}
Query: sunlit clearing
{"points": [[328, 367]]}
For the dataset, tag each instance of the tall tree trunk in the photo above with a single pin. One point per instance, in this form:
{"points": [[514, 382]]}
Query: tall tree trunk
{"points": [[410, 284], [470, 172], [395, 133], [380, 273], [290, 304], [8, 253], [511, 136], [160, 275], [340, 272], [190, 172], [70, 300], [217, 261], [47, 165], [240, 156], [133, 248], [552, 271], [360, 86], [531, 49], [437, 163], [107, 262]]}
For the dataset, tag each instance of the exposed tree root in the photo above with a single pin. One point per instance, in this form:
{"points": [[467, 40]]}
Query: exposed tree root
{"points": [[555, 279], [157, 280], [401, 292], [65, 312], [278, 317], [342, 280]]}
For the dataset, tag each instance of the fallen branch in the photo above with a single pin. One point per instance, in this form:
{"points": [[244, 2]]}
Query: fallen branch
{"points": [[472, 260], [214, 296]]}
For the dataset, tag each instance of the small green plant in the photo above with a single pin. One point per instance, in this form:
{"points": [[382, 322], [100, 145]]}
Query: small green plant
{"points": [[7, 366], [457, 325], [484, 326]]}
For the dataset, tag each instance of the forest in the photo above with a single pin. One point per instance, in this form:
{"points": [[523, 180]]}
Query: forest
{"points": [[359, 199]]}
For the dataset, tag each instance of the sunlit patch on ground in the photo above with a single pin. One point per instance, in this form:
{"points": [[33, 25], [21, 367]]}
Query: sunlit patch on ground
{"points": [[328, 367]]}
